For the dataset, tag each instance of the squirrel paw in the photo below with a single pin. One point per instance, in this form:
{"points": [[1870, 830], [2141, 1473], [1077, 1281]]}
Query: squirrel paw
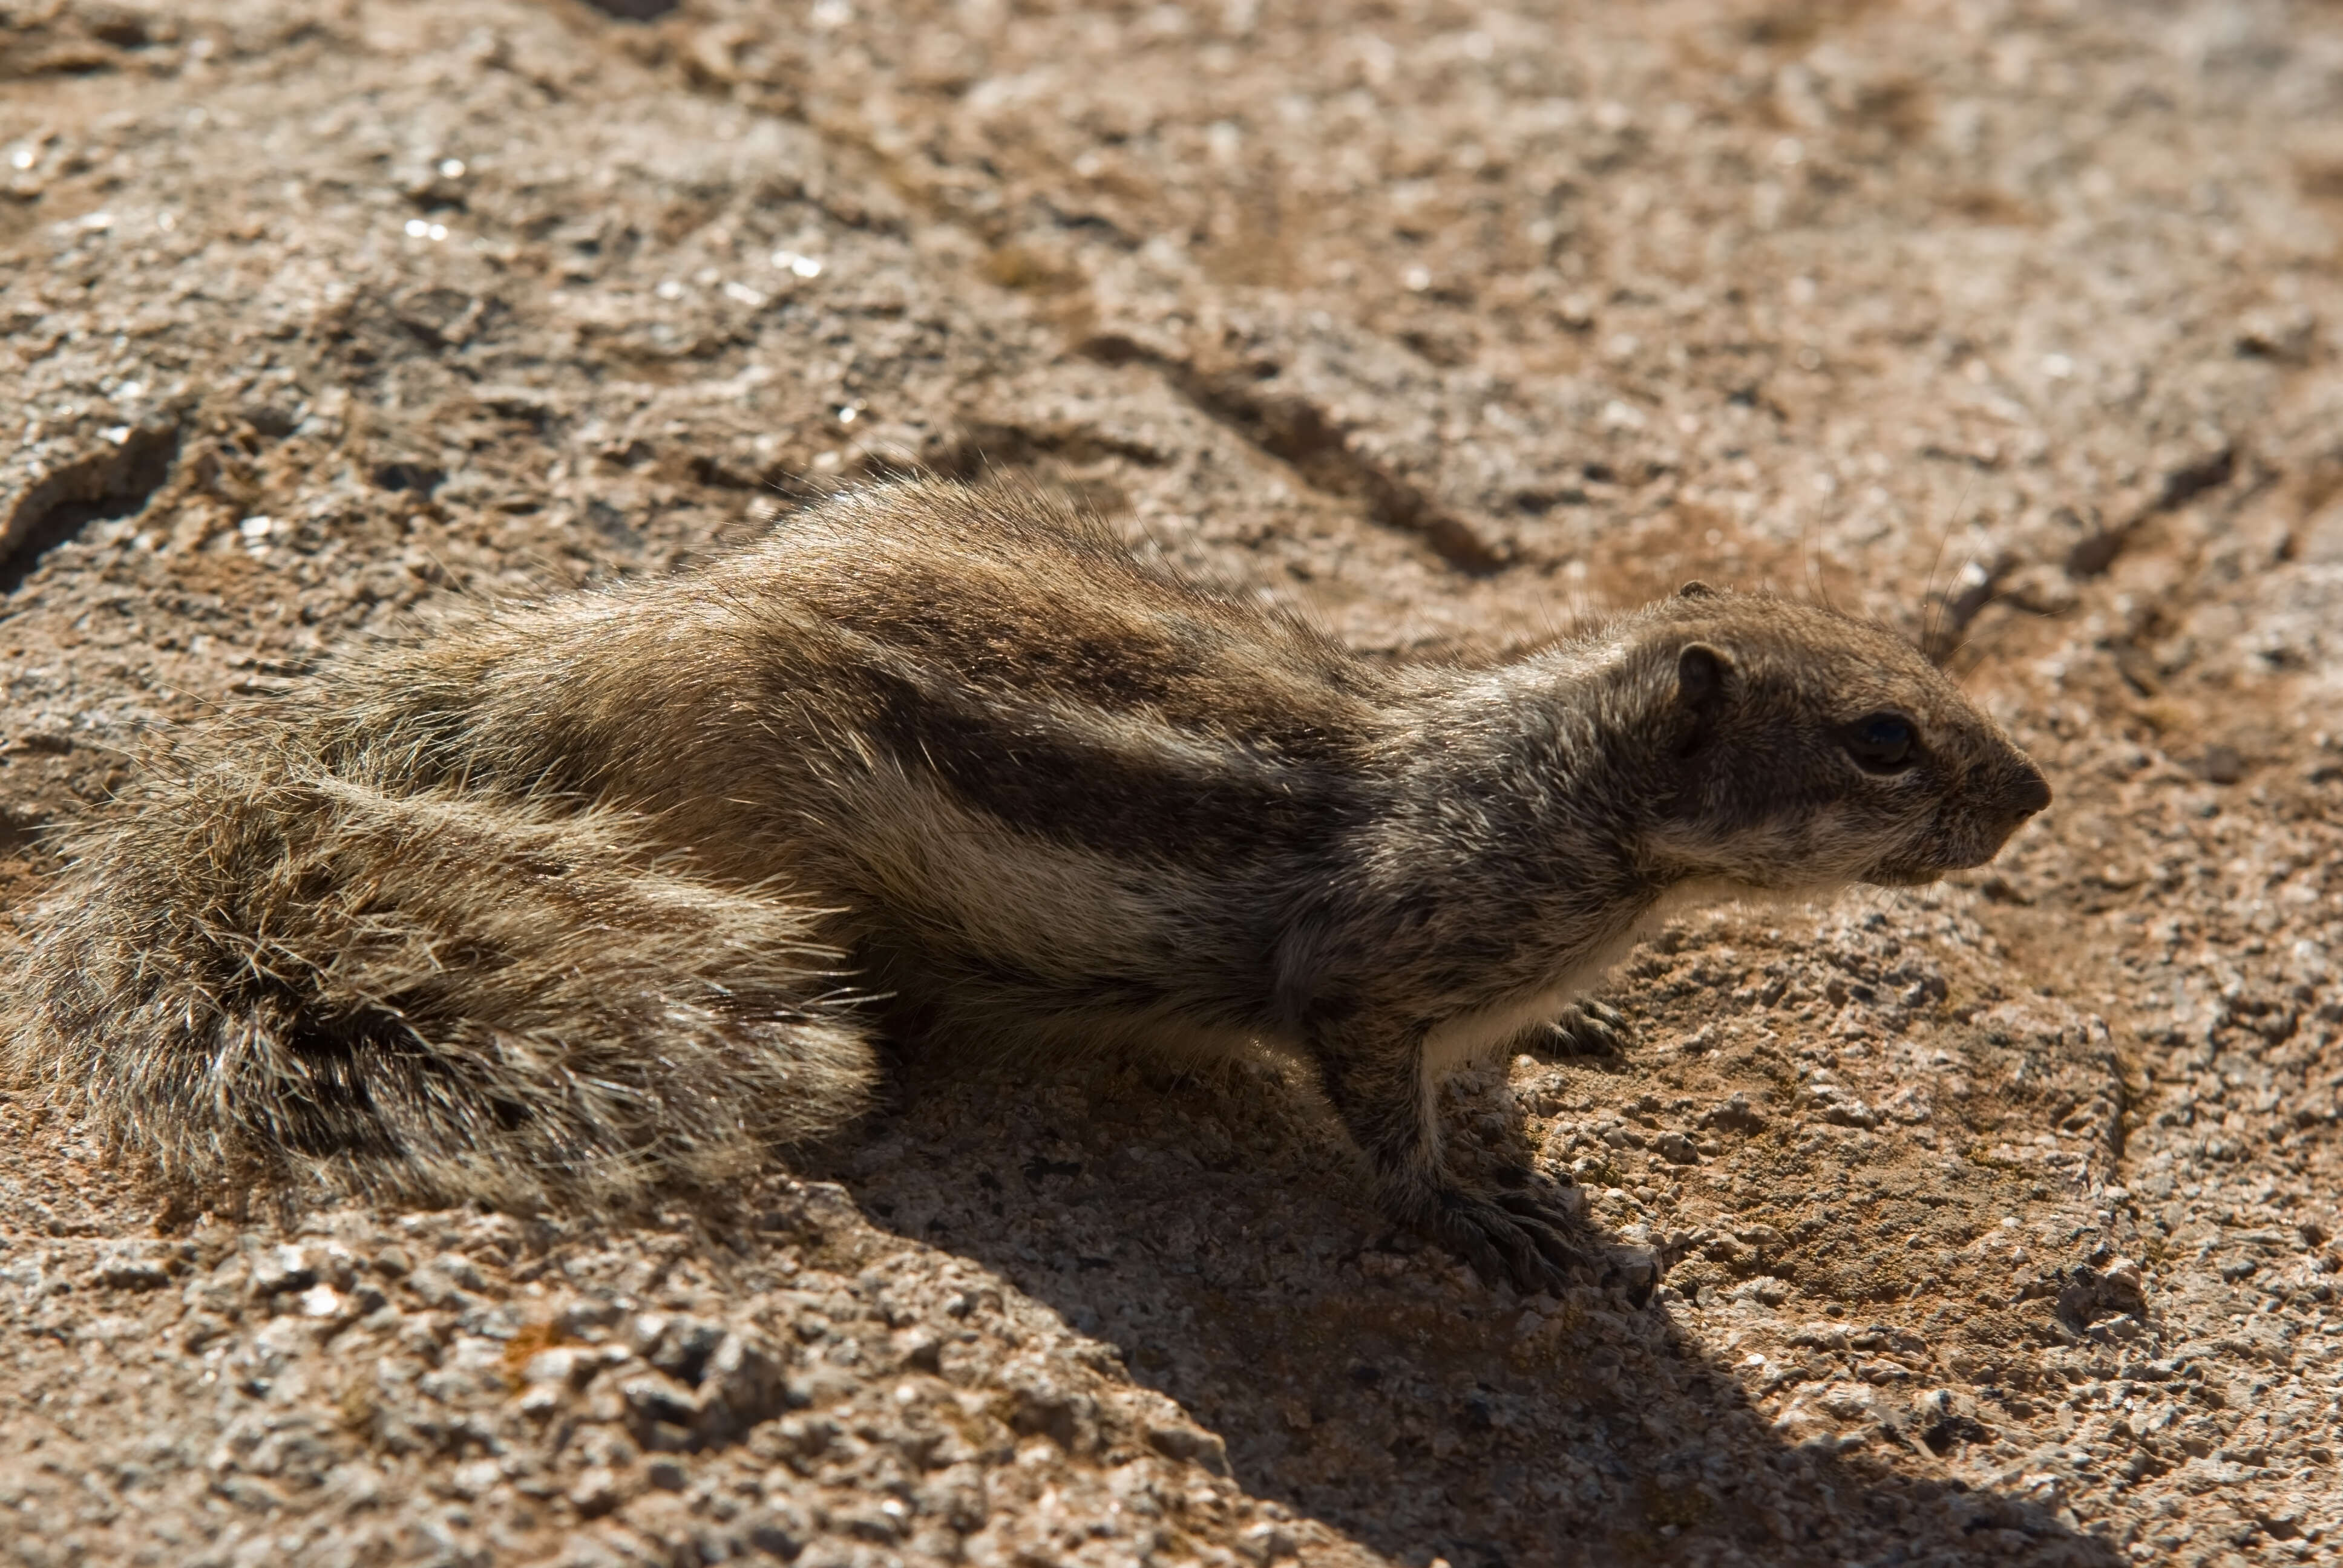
{"points": [[1508, 1235], [1587, 1029]]}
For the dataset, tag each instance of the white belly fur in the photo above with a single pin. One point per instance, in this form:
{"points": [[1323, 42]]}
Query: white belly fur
{"points": [[1474, 1036]]}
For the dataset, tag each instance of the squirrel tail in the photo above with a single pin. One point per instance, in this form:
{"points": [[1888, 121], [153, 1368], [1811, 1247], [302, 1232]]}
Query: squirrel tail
{"points": [[265, 971]]}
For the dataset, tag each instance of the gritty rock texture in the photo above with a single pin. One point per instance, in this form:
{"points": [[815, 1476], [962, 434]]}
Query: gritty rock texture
{"points": [[1997, 1219]]}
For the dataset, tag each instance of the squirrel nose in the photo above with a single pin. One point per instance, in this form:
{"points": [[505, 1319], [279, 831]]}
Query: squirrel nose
{"points": [[2029, 792]]}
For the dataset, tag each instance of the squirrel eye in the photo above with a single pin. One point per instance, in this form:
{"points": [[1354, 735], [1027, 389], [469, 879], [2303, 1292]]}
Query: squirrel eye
{"points": [[1882, 743]]}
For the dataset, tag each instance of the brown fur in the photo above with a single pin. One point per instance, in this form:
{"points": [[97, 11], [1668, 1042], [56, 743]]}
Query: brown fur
{"points": [[565, 901]]}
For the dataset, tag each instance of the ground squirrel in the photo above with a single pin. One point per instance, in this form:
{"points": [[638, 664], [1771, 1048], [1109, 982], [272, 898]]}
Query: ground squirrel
{"points": [[572, 899]]}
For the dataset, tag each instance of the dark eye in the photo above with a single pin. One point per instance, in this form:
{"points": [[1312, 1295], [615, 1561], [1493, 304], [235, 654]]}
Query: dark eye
{"points": [[1883, 743]]}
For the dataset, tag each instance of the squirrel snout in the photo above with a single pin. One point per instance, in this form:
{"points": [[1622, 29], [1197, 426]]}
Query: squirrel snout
{"points": [[2027, 792]]}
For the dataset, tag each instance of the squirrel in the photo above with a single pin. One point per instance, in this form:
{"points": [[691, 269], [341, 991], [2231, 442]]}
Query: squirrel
{"points": [[565, 902]]}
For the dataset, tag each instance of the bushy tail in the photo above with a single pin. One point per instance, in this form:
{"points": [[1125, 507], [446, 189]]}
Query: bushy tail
{"points": [[258, 969]]}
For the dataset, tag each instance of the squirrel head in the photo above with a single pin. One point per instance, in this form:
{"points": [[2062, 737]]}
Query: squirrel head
{"points": [[1800, 747]]}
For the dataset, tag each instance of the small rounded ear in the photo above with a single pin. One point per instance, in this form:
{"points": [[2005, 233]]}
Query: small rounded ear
{"points": [[1701, 674], [1695, 590]]}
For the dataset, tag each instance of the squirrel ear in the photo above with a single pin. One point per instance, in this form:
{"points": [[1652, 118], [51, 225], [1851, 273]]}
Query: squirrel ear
{"points": [[1701, 674], [1695, 590]]}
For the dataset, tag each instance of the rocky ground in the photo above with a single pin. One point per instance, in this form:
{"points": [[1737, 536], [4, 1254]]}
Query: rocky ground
{"points": [[1999, 1217]]}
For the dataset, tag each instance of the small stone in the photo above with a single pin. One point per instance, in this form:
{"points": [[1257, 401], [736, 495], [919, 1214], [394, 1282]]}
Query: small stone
{"points": [[447, 1281], [1736, 1115], [654, 1397], [200, 1329], [741, 1386], [596, 1491], [132, 1266], [474, 1477], [282, 1269], [645, 1331], [562, 1366], [777, 1535], [585, 1319], [2220, 765], [682, 1347], [1191, 1445]]}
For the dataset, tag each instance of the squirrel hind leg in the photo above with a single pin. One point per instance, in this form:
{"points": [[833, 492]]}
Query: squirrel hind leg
{"points": [[433, 997]]}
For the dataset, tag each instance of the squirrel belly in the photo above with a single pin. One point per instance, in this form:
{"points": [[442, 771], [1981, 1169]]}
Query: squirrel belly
{"points": [[570, 901]]}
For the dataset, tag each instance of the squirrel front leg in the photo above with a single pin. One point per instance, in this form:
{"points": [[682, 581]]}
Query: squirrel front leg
{"points": [[1373, 1072]]}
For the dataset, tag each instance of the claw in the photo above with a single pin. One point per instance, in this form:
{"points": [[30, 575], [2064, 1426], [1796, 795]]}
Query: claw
{"points": [[1515, 1236], [1588, 1029], [1544, 1225]]}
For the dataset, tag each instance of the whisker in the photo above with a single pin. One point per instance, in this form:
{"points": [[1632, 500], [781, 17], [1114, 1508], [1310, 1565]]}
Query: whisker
{"points": [[1932, 602]]}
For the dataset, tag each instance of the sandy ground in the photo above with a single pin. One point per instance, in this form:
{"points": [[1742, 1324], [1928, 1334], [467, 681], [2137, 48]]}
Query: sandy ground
{"points": [[2000, 1216]]}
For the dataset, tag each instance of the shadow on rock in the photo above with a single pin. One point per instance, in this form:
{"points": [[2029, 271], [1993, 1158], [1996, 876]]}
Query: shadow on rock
{"points": [[1218, 1234]]}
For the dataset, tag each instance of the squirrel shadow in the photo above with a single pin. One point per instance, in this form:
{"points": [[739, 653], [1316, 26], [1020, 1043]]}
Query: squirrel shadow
{"points": [[1217, 1231]]}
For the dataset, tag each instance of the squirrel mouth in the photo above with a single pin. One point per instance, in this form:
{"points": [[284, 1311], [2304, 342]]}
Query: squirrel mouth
{"points": [[1956, 848]]}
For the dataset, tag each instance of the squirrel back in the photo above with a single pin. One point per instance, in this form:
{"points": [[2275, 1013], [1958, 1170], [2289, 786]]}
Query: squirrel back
{"points": [[572, 901]]}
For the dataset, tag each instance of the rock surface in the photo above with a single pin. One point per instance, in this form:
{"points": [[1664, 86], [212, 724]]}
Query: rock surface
{"points": [[1997, 1220]]}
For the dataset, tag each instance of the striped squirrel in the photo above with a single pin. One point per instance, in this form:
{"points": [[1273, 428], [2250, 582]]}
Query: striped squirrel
{"points": [[565, 902]]}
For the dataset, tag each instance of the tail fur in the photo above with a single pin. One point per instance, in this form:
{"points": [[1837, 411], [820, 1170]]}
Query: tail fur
{"points": [[260, 968]]}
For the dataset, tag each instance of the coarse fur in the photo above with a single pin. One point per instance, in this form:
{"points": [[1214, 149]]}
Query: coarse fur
{"points": [[565, 902]]}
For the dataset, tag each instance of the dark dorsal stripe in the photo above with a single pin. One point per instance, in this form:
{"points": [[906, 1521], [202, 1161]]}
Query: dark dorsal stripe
{"points": [[1181, 799]]}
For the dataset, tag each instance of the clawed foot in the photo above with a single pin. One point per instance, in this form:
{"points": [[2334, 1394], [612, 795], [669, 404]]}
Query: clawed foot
{"points": [[1587, 1029], [1514, 1235]]}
